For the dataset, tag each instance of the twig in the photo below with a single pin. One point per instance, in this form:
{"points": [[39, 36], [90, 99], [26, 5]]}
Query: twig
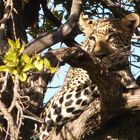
{"points": [[14, 26], [10, 121], [20, 116], [53, 86], [4, 79], [16, 87], [135, 66], [18, 104], [37, 119], [7, 132]]}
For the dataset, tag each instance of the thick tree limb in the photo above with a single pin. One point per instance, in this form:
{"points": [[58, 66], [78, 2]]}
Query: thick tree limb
{"points": [[55, 21], [46, 40], [112, 102]]}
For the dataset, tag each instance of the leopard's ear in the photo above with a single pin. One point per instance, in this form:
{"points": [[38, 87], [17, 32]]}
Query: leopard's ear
{"points": [[85, 23], [131, 21]]}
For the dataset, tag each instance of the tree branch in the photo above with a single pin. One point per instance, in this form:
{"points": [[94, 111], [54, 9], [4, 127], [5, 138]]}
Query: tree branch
{"points": [[9, 118], [46, 40]]}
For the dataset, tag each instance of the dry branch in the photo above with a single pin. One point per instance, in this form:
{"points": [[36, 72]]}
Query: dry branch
{"points": [[11, 123]]}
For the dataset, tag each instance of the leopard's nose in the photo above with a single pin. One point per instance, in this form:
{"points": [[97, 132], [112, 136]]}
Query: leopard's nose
{"points": [[101, 49]]}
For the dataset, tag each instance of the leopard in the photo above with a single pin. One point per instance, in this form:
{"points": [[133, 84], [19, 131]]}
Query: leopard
{"points": [[109, 40]]}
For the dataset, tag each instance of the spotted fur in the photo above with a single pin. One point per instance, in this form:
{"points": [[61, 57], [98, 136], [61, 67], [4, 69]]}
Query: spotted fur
{"points": [[107, 39]]}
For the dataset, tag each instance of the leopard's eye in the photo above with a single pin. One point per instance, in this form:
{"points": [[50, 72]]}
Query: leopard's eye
{"points": [[90, 22], [92, 38], [111, 38]]}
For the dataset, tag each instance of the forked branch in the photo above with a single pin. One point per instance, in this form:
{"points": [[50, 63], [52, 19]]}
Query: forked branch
{"points": [[11, 123]]}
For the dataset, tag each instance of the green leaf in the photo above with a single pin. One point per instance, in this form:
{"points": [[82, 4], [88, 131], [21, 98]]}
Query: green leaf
{"points": [[11, 64], [11, 43], [17, 43], [7, 69], [26, 58], [4, 68], [38, 65], [52, 69], [10, 56], [37, 57], [13, 71], [21, 49], [23, 77], [28, 67], [21, 63], [47, 63]]}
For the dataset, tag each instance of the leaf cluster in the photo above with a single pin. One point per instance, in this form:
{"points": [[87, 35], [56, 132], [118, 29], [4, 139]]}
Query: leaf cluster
{"points": [[17, 63]]}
